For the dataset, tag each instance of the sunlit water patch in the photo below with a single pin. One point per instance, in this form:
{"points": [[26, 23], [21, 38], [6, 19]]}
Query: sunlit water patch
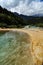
{"points": [[15, 48]]}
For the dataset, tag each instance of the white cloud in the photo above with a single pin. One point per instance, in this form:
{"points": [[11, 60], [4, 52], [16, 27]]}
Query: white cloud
{"points": [[26, 7], [33, 8]]}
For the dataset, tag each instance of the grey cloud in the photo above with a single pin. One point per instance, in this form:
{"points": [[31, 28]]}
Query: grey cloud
{"points": [[26, 7], [12, 3]]}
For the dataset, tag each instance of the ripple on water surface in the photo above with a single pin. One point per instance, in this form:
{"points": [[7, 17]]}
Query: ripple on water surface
{"points": [[14, 48]]}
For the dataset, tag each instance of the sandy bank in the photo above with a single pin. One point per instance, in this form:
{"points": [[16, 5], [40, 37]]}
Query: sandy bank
{"points": [[37, 42]]}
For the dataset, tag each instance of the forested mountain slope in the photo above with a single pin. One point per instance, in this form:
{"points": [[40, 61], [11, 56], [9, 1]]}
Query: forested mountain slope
{"points": [[14, 20]]}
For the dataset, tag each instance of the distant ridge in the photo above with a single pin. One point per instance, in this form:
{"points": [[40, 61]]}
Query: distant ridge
{"points": [[10, 19], [26, 17]]}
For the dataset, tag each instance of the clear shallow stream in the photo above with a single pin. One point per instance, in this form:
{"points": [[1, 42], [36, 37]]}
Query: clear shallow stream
{"points": [[15, 48]]}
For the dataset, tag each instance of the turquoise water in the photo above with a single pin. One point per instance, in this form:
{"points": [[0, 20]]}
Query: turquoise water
{"points": [[14, 48]]}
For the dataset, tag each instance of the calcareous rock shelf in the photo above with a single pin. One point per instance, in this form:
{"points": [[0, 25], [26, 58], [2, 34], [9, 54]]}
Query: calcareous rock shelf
{"points": [[21, 47]]}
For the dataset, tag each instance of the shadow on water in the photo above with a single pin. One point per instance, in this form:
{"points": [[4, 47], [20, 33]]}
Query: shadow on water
{"points": [[15, 48]]}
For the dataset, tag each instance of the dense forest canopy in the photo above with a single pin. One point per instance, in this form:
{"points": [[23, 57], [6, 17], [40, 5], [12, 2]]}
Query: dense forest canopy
{"points": [[14, 20]]}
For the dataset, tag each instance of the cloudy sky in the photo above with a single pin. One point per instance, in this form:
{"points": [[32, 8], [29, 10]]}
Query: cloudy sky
{"points": [[26, 7]]}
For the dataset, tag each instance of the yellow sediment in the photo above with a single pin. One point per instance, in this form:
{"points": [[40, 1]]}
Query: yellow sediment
{"points": [[37, 43]]}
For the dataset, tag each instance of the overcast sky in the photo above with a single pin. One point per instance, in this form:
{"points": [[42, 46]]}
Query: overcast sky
{"points": [[26, 7]]}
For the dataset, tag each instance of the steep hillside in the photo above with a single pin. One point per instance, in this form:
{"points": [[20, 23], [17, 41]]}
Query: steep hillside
{"points": [[14, 20], [8, 19]]}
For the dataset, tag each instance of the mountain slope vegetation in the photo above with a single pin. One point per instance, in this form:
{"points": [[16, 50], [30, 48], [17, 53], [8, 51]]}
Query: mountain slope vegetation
{"points": [[8, 19], [14, 20]]}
